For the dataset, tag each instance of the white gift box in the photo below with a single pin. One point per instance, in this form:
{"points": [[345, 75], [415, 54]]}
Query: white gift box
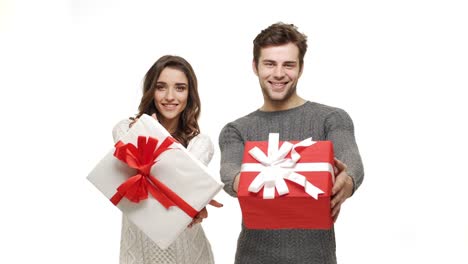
{"points": [[175, 167]]}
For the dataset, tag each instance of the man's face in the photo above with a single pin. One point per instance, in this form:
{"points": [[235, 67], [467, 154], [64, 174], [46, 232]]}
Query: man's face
{"points": [[278, 71]]}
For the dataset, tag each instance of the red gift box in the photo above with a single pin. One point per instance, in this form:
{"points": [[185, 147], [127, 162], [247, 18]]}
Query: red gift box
{"points": [[286, 185]]}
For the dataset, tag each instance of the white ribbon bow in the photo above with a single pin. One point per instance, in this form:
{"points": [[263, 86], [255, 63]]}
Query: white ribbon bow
{"points": [[275, 168]]}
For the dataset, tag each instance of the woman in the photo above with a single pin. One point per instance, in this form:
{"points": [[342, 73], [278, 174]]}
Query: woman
{"points": [[170, 95]]}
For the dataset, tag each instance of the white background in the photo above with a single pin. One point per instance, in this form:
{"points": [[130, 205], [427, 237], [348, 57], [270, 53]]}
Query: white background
{"points": [[69, 70]]}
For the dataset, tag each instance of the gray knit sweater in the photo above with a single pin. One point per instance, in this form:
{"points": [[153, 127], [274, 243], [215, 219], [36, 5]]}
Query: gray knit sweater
{"points": [[321, 122]]}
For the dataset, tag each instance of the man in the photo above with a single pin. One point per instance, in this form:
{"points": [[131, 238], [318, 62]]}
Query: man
{"points": [[278, 62]]}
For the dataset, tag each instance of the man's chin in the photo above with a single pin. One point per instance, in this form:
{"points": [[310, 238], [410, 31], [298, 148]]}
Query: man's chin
{"points": [[278, 97]]}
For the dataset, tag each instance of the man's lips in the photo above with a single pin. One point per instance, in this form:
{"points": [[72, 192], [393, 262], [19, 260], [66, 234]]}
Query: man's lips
{"points": [[278, 85]]}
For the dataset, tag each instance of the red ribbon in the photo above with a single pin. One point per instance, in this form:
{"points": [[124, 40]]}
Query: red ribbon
{"points": [[142, 158]]}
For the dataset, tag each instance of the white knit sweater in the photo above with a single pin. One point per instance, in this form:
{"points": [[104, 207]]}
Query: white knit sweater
{"points": [[191, 247]]}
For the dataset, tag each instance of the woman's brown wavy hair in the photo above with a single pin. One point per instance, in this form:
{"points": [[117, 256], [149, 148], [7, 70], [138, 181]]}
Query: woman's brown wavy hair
{"points": [[188, 122]]}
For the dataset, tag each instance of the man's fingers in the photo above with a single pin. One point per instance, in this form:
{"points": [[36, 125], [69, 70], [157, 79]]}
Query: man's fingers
{"points": [[335, 216], [335, 210], [337, 199], [340, 165], [215, 203], [235, 185], [339, 183], [340, 189]]}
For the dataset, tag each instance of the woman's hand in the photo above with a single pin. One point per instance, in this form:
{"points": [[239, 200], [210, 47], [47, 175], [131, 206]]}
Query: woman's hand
{"points": [[136, 119], [204, 213]]}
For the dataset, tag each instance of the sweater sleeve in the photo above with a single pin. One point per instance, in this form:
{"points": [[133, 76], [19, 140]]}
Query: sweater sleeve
{"points": [[340, 130], [120, 129], [232, 148], [202, 148]]}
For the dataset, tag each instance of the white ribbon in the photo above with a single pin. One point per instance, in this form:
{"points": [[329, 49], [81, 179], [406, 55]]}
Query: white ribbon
{"points": [[275, 168]]}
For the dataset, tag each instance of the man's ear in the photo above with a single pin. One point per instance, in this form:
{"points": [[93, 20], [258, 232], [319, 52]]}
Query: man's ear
{"points": [[254, 67]]}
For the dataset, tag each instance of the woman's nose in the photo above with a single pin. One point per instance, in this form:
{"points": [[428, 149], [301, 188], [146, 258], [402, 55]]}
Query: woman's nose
{"points": [[169, 94]]}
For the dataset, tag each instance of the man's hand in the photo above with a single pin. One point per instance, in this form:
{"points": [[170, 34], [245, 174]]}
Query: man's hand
{"points": [[342, 189], [204, 213], [235, 185]]}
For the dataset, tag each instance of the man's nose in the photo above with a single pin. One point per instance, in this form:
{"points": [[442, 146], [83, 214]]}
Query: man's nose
{"points": [[279, 72]]}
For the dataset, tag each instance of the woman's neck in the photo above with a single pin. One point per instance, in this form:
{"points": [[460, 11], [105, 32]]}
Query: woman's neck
{"points": [[170, 125]]}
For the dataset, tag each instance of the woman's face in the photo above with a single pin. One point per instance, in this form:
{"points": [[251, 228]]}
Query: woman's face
{"points": [[170, 96]]}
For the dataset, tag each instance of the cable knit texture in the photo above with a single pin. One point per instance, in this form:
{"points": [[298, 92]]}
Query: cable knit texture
{"points": [[321, 122], [191, 247]]}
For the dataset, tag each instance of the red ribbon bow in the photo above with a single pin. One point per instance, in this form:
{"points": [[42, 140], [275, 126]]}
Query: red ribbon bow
{"points": [[142, 158]]}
